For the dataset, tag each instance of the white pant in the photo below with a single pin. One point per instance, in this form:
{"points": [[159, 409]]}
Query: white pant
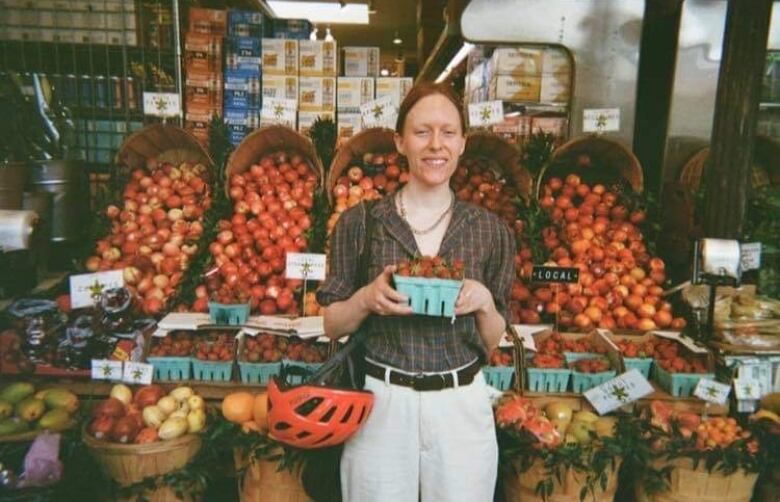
{"points": [[437, 445]]}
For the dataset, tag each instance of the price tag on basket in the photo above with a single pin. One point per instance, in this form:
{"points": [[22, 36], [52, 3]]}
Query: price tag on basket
{"points": [[486, 113], [162, 104], [750, 256], [712, 391], [85, 289], [555, 275], [747, 389], [620, 391], [137, 373], [600, 120], [380, 112], [105, 369], [279, 111]]}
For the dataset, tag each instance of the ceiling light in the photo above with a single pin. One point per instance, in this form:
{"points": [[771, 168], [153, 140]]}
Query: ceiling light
{"points": [[384, 72], [455, 61], [397, 39], [321, 12], [371, 7], [313, 34], [328, 35]]}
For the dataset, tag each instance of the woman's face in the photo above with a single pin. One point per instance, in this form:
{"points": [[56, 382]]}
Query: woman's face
{"points": [[432, 140]]}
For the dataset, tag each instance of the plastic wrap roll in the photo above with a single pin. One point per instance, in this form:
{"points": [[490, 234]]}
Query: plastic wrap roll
{"points": [[16, 229], [721, 257]]}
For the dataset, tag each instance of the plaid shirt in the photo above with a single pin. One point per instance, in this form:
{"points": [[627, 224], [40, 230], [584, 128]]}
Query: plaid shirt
{"points": [[422, 343]]}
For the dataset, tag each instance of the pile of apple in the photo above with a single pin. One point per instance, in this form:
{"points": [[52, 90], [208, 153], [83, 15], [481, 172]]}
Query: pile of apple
{"points": [[155, 231], [272, 201], [368, 178], [475, 181], [630, 348], [270, 348], [176, 344], [667, 355], [147, 416], [620, 283], [556, 424], [215, 346]]}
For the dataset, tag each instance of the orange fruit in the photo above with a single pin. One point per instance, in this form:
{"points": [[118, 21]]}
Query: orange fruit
{"points": [[237, 407], [260, 410]]}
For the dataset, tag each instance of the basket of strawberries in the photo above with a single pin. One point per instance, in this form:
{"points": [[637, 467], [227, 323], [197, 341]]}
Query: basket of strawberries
{"points": [[432, 284], [171, 356], [214, 354], [588, 373]]}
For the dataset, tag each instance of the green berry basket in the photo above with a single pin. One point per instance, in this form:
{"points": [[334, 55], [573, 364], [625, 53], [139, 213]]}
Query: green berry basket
{"points": [[680, 384], [642, 364], [171, 368], [234, 314], [585, 381], [572, 357], [499, 377], [259, 373], [429, 296], [212, 371], [300, 370], [548, 379]]}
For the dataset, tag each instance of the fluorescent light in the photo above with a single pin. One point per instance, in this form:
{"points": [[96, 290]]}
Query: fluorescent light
{"points": [[397, 39], [455, 61], [321, 12]]}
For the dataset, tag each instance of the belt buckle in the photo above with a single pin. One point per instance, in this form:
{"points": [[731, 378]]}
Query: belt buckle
{"points": [[421, 382]]}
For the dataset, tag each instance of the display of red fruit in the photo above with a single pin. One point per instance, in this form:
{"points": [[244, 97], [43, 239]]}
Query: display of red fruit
{"points": [[595, 365], [431, 267]]}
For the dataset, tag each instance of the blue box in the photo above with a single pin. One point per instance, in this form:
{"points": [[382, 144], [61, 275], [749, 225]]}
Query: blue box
{"points": [[242, 90], [242, 116], [243, 53], [245, 23], [293, 29]]}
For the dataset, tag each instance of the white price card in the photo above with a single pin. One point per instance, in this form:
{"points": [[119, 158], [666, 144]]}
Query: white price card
{"points": [[747, 389], [104, 369], [712, 391], [689, 343], [379, 112], [620, 391], [750, 256], [279, 111], [85, 289], [162, 104], [486, 113], [137, 373], [306, 266], [525, 332], [601, 119]]}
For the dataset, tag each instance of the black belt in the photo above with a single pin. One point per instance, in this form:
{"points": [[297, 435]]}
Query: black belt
{"points": [[421, 382]]}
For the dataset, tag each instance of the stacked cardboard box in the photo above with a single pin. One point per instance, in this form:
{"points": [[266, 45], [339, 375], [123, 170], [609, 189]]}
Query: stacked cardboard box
{"points": [[203, 68], [291, 29], [361, 61]]}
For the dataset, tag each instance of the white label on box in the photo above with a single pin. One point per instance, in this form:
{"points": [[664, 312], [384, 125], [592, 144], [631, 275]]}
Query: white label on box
{"points": [[750, 256], [486, 113], [619, 391], [137, 373], [604, 334], [526, 332], [162, 104], [601, 119], [745, 388], [161, 333], [689, 344], [379, 112], [85, 289], [712, 391], [104, 369], [306, 266], [183, 320], [276, 110]]}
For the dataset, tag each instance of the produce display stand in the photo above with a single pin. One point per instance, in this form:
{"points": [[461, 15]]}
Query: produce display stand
{"points": [[504, 157], [372, 140], [164, 142]]}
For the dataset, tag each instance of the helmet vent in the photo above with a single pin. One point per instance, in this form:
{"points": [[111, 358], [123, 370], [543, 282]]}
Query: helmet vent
{"points": [[308, 406], [327, 416], [362, 414], [303, 434], [325, 438], [282, 426], [347, 414]]}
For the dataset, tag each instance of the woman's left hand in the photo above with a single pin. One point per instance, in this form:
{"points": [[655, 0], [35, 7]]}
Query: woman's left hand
{"points": [[473, 297]]}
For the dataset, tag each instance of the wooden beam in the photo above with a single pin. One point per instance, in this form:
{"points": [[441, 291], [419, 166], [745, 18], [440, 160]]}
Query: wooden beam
{"points": [[736, 112]]}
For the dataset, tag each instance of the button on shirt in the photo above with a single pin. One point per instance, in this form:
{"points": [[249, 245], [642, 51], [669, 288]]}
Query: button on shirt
{"points": [[421, 343]]}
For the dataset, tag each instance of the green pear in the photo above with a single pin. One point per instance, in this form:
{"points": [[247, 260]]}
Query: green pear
{"points": [[580, 431], [558, 411], [585, 416]]}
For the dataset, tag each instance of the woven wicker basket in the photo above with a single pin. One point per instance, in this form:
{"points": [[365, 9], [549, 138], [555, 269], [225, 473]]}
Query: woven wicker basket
{"points": [[263, 482], [375, 140], [617, 160], [506, 158], [522, 487], [689, 484], [166, 143]]}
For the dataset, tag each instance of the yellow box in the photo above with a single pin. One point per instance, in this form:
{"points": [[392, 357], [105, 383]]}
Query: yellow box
{"points": [[317, 58], [508, 88], [317, 94], [361, 61], [280, 86], [353, 92], [280, 57], [516, 61], [555, 88], [397, 87]]}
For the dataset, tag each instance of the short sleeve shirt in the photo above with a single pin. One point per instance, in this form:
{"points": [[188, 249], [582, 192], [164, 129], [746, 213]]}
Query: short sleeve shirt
{"points": [[419, 343]]}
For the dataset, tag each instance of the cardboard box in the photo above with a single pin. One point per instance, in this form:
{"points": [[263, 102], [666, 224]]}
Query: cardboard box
{"points": [[347, 125], [291, 29], [516, 61], [306, 120], [361, 61], [242, 90], [245, 23], [202, 53], [264, 122], [240, 123], [557, 126], [513, 129], [507, 88], [280, 86], [353, 92], [555, 88], [207, 21], [317, 58], [556, 61], [202, 91], [317, 94], [243, 54], [280, 57], [397, 87]]}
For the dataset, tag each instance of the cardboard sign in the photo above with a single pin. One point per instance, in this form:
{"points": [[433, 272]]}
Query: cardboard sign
{"points": [[620, 391], [304, 327], [162, 104], [689, 344], [104, 369], [601, 119], [747, 389], [85, 289], [279, 111], [137, 373], [306, 266], [750, 256], [558, 275], [486, 113], [182, 320], [380, 112], [712, 391], [525, 332]]}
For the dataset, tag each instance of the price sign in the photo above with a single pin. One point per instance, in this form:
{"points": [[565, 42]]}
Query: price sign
{"points": [[162, 104], [137, 373], [712, 391], [747, 389], [279, 111], [104, 369], [379, 112], [85, 289], [486, 113], [306, 266], [601, 120], [750, 256], [619, 391], [560, 275]]}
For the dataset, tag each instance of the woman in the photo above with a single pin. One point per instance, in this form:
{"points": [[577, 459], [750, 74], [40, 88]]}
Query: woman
{"points": [[431, 434]]}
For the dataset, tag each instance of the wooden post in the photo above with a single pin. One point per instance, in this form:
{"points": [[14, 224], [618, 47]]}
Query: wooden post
{"points": [[736, 114]]}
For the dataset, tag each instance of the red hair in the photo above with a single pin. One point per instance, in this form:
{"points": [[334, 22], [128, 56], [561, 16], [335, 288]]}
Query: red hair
{"points": [[425, 89]]}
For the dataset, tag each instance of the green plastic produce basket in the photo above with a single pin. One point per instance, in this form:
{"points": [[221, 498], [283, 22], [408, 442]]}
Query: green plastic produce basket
{"points": [[585, 381], [230, 314], [499, 377], [548, 379], [643, 364], [679, 384], [576, 356], [434, 297], [307, 369], [171, 368], [259, 373], [212, 371]]}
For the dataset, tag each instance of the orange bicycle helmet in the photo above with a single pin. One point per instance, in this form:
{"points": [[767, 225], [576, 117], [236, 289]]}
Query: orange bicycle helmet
{"points": [[312, 416]]}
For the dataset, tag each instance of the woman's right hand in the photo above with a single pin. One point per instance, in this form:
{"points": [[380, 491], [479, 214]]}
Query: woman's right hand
{"points": [[380, 298]]}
